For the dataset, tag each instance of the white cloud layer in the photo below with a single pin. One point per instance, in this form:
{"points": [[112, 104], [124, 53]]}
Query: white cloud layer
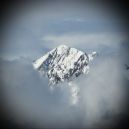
{"points": [[82, 39], [102, 92], [29, 99]]}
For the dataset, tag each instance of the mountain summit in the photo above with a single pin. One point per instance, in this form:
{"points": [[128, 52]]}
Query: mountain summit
{"points": [[63, 63]]}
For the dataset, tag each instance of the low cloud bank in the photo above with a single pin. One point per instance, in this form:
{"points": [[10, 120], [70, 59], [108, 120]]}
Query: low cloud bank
{"points": [[28, 98]]}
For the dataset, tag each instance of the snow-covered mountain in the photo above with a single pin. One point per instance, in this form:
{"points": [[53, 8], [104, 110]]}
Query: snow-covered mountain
{"points": [[63, 63]]}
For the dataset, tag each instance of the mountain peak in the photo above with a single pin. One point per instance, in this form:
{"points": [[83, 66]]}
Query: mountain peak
{"points": [[63, 63]]}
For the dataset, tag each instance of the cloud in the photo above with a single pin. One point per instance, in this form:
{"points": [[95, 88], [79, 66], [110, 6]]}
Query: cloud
{"points": [[30, 100], [27, 97], [103, 92], [75, 20], [89, 40], [50, 20]]}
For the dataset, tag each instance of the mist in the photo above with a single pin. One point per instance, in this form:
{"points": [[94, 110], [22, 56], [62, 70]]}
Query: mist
{"points": [[31, 30], [30, 101]]}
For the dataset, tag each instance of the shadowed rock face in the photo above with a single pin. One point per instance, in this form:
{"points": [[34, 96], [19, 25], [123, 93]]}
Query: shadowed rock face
{"points": [[63, 63]]}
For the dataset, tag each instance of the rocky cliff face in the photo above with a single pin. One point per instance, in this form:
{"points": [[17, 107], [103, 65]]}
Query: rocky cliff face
{"points": [[63, 64]]}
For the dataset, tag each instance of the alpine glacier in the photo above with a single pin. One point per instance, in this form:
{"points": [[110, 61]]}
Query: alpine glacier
{"points": [[63, 64]]}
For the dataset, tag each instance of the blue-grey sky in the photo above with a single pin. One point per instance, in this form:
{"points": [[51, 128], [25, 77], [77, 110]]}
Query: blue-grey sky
{"points": [[37, 29], [34, 30]]}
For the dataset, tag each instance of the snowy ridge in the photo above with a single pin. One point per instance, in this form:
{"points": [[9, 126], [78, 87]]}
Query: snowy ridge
{"points": [[63, 63]]}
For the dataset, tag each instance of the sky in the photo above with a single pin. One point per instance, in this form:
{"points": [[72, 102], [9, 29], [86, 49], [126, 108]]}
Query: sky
{"points": [[34, 30]]}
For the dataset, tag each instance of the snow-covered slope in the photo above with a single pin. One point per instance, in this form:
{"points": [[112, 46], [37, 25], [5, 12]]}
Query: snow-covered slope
{"points": [[63, 63]]}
